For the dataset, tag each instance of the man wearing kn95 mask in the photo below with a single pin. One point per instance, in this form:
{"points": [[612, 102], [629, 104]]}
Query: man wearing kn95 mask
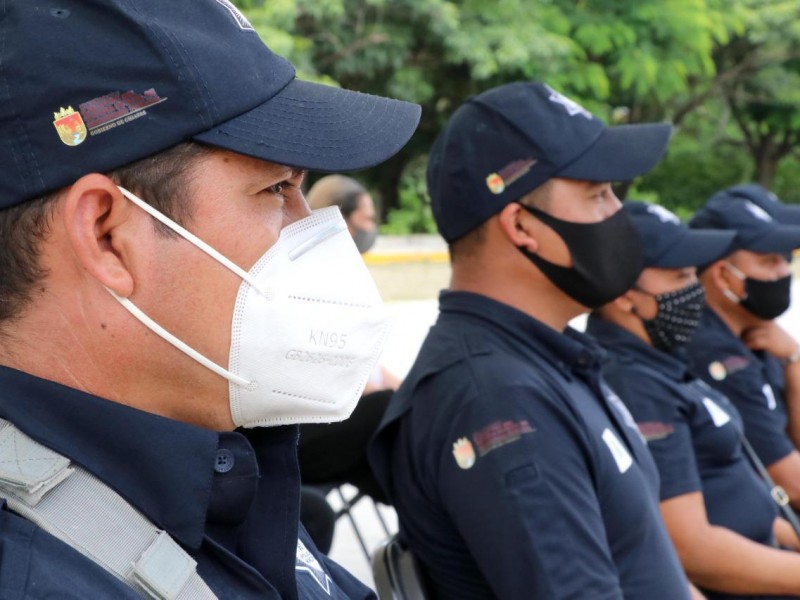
{"points": [[170, 308]]}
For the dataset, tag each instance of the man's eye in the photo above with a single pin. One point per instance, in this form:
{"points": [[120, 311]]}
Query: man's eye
{"points": [[277, 188]]}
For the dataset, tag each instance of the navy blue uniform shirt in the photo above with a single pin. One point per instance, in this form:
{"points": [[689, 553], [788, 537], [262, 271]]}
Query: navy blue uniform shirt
{"points": [[231, 500], [693, 431], [753, 381], [513, 475]]}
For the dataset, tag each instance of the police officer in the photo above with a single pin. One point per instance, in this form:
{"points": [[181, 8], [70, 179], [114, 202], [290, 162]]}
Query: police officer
{"points": [[714, 505], [169, 308], [513, 473], [739, 349]]}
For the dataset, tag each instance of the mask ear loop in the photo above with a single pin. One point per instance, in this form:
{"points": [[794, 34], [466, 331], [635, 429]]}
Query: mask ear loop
{"points": [[178, 343], [158, 329], [189, 236], [741, 277]]}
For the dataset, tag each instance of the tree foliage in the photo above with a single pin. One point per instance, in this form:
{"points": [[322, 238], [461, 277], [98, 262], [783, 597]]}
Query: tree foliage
{"points": [[725, 71]]}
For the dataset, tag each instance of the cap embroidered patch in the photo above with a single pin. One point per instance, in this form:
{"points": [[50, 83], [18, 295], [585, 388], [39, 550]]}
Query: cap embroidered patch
{"points": [[464, 453], [499, 434], [495, 183], [241, 20], [573, 108], [117, 108], [498, 182], [70, 126], [757, 211]]}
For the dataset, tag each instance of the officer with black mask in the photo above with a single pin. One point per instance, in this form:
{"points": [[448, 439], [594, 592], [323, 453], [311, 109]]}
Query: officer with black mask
{"points": [[739, 349], [725, 540], [514, 473]]}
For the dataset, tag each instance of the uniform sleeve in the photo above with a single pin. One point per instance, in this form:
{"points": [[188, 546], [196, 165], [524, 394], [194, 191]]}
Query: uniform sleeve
{"points": [[522, 498], [763, 414], [664, 420]]}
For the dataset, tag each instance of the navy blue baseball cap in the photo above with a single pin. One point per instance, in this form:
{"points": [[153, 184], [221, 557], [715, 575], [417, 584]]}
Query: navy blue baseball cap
{"points": [[503, 143], [669, 244], [92, 85], [762, 197], [756, 229]]}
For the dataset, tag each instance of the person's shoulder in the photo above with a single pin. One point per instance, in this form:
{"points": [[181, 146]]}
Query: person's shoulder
{"points": [[34, 564]]}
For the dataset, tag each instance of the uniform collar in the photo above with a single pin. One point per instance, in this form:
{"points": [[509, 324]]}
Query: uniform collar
{"points": [[622, 342], [154, 462], [570, 351]]}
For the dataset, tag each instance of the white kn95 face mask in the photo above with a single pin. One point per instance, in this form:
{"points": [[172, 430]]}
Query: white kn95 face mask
{"points": [[308, 324]]}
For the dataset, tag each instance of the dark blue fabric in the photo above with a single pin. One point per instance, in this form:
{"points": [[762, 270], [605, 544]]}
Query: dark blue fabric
{"points": [[545, 511], [692, 451], [239, 521], [750, 380]]}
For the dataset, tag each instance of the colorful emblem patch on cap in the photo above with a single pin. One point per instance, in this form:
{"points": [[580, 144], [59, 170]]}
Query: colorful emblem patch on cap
{"points": [[495, 183], [717, 371], [498, 182], [70, 126], [464, 453]]}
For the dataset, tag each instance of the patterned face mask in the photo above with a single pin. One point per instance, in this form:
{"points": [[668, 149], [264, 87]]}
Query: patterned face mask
{"points": [[677, 318]]}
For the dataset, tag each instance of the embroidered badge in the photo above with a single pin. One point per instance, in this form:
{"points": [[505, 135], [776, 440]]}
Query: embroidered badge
{"points": [[464, 453], [241, 20], [498, 182], [70, 126], [719, 416], [117, 108], [717, 371], [655, 430], [306, 562], [499, 434], [572, 107]]}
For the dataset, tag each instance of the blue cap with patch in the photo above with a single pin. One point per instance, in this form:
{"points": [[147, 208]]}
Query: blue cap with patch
{"points": [[92, 85], [503, 143], [756, 229], [669, 244], [760, 196]]}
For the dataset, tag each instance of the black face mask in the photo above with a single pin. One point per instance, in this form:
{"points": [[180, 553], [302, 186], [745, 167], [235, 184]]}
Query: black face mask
{"points": [[765, 299], [677, 318], [606, 257]]}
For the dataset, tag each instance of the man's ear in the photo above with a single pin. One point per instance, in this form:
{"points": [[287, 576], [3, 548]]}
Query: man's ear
{"points": [[516, 223], [94, 211], [717, 275]]}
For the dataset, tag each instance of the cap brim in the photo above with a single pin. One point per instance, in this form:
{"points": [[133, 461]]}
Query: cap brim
{"points": [[782, 239], [319, 127], [621, 153], [696, 248]]}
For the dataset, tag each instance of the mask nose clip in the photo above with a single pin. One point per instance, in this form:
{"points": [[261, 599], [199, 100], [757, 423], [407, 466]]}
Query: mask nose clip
{"points": [[323, 235]]}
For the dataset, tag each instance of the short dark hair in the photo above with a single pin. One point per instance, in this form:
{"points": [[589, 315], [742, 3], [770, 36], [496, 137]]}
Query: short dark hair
{"points": [[159, 180]]}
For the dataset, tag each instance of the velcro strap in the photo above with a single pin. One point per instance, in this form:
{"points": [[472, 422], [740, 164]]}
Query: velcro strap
{"points": [[28, 469], [164, 568]]}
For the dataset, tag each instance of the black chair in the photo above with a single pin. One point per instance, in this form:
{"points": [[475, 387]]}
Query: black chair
{"points": [[397, 574], [347, 507]]}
